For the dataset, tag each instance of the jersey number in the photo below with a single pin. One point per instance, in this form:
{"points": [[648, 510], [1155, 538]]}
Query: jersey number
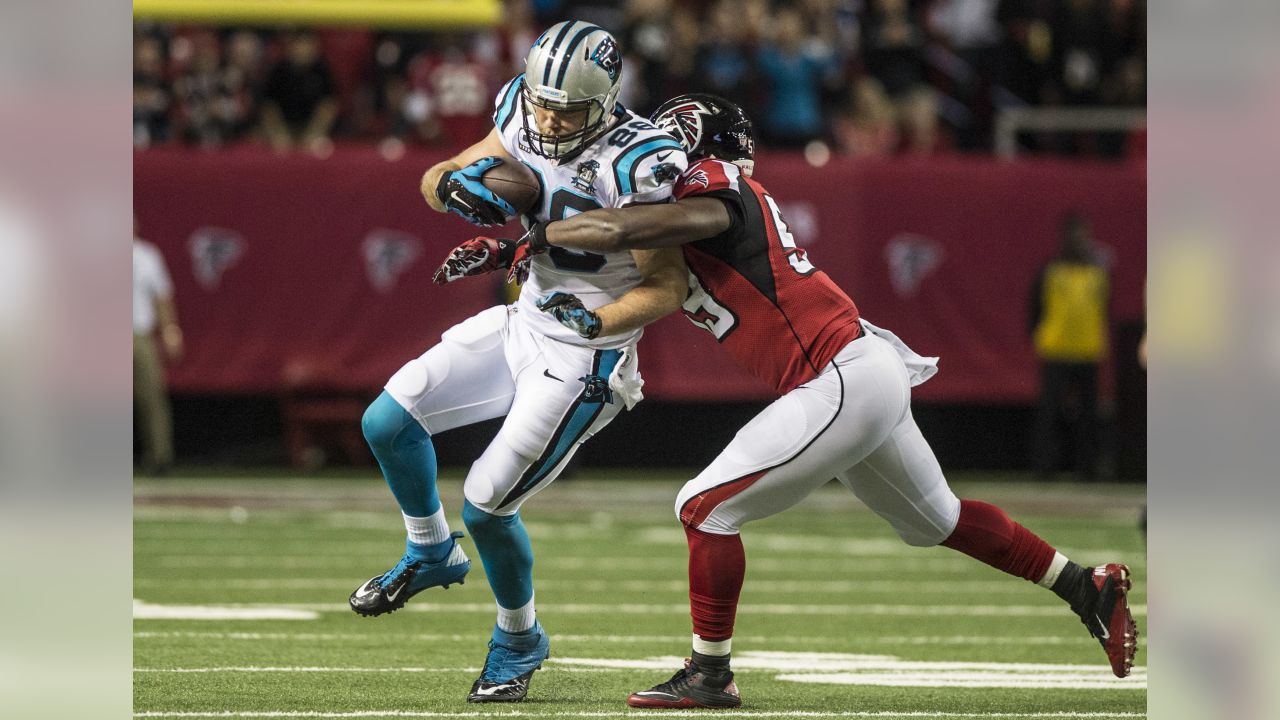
{"points": [[705, 312], [562, 202], [624, 135], [795, 255]]}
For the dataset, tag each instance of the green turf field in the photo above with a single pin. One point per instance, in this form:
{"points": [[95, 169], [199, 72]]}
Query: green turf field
{"points": [[838, 618]]}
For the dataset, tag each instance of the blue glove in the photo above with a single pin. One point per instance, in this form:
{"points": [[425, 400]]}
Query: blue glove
{"points": [[463, 194], [569, 311]]}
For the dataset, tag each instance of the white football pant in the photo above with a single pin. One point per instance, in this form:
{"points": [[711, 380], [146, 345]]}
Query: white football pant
{"points": [[492, 365], [853, 423]]}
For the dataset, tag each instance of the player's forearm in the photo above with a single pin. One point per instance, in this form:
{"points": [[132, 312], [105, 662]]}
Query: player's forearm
{"points": [[598, 231], [431, 180], [640, 227], [658, 296]]}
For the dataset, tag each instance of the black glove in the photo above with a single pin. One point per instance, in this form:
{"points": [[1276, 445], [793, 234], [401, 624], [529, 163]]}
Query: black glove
{"points": [[463, 194]]}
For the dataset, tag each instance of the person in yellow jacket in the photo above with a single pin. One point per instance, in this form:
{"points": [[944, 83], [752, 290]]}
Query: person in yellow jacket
{"points": [[1069, 328]]}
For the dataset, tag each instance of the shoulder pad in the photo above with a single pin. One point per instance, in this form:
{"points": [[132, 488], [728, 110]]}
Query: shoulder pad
{"points": [[506, 106], [652, 160], [707, 175]]}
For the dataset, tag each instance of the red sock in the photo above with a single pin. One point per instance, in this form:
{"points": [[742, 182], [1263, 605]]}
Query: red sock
{"points": [[986, 533], [717, 565]]}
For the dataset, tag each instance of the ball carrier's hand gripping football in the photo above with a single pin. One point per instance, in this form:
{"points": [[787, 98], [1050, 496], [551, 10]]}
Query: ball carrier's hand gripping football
{"points": [[568, 309], [463, 193], [483, 255]]}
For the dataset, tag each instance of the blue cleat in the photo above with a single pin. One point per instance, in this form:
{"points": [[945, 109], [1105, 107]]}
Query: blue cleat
{"points": [[389, 592], [511, 661]]}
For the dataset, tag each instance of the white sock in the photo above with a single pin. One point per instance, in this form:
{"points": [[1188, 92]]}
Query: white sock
{"points": [[1055, 569], [518, 620], [431, 530], [706, 647]]}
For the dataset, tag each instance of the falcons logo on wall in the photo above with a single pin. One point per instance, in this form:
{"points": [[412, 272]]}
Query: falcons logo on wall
{"points": [[685, 122]]}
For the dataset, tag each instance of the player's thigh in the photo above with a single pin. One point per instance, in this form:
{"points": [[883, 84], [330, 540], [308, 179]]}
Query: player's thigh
{"points": [[799, 442], [902, 482], [561, 400], [463, 379]]}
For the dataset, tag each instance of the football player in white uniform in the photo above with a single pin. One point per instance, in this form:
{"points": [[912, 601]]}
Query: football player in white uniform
{"points": [[556, 387]]}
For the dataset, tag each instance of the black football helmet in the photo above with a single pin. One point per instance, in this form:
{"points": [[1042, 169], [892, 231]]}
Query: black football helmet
{"points": [[709, 125]]}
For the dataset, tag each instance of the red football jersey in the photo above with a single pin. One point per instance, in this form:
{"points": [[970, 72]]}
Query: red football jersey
{"points": [[755, 290]]}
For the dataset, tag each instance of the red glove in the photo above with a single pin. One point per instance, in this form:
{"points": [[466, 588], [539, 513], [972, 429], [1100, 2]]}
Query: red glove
{"points": [[476, 256], [533, 243]]}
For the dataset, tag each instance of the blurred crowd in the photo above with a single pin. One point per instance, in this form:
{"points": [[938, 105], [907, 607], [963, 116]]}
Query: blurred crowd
{"points": [[862, 77]]}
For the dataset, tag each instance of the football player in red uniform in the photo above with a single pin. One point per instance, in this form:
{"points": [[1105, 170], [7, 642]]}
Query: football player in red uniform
{"points": [[844, 410]]}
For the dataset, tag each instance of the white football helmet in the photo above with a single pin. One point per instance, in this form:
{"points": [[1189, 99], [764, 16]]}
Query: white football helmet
{"points": [[573, 68]]}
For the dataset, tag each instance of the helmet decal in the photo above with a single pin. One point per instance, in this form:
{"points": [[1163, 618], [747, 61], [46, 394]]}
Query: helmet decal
{"points": [[685, 122], [606, 55], [708, 125]]}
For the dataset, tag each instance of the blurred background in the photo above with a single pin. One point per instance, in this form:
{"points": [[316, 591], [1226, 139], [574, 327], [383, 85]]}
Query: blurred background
{"points": [[972, 172]]}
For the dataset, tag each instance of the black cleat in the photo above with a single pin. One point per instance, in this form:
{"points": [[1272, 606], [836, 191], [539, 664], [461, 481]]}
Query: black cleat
{"points": [[691, 687], [391, 590]]}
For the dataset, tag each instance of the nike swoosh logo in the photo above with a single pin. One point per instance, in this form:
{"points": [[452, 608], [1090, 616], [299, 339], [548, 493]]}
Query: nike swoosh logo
{"points": [[494, 689], [365, 590], [651, 693], [663, 156], [454, 196], [391, 597], [553, 377], [1106, 634]]}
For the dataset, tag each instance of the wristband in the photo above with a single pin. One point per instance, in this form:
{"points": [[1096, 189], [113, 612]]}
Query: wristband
{"points": [[538, 238], [442, 188]]}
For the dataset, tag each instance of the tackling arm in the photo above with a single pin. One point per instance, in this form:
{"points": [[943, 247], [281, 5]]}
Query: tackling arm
{"points": [[491, 145], [641, 227]]}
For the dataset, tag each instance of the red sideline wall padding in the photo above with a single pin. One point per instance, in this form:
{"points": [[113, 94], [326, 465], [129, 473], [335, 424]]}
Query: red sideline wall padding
{"points": [[291, 270]]}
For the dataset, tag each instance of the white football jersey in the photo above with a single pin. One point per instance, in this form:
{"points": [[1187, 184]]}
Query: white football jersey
{"points": [[632, 162]]}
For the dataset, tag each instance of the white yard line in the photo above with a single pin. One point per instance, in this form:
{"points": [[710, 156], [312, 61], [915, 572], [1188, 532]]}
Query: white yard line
{"points": [[844, 609], [906, 587], [302, 669], [594, 564], [805, 667], [150, 611], [886, 714], [762, 640]]}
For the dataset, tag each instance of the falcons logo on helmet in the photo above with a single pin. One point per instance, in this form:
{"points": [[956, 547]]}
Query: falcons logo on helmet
{"points": [[685, 122]]}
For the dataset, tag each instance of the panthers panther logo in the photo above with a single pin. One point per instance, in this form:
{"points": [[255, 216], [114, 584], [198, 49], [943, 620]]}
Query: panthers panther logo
{"points": [[606, 55], [596, 390]]}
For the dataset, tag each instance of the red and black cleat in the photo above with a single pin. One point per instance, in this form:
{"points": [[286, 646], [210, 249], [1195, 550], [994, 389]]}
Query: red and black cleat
{"points": [[690, 687], [1108, 618]]}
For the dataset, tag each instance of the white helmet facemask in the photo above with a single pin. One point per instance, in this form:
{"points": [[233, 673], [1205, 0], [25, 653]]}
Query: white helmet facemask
{"points": [[574, 70]]}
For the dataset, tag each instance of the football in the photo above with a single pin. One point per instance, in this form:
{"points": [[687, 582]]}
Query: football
{"points": [[514, 182]]}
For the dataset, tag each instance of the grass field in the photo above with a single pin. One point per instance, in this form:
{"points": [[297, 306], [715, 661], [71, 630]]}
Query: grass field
{"points": [[838, 618]]}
